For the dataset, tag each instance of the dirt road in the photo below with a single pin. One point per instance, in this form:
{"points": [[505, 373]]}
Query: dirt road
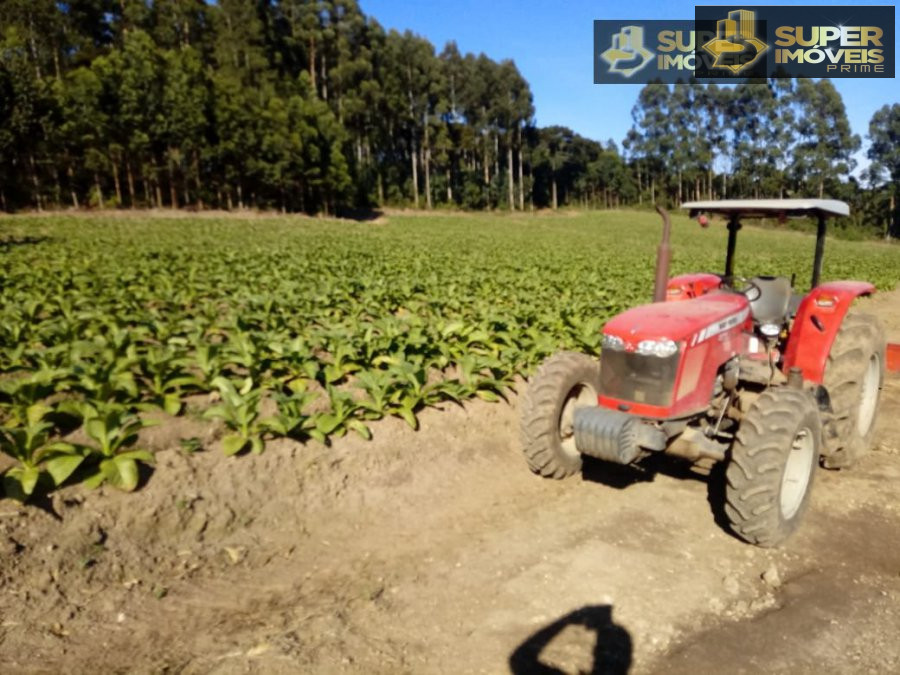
{"points": [[437, 551]]}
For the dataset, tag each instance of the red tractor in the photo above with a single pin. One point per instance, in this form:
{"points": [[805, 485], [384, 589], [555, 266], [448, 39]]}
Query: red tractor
{"points": [[723, 368]]}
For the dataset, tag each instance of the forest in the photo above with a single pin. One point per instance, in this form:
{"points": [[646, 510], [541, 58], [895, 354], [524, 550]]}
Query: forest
{"points": [[312, 106]]}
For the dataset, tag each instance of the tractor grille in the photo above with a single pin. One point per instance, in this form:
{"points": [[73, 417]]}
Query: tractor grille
{"points": [[641, 379]]}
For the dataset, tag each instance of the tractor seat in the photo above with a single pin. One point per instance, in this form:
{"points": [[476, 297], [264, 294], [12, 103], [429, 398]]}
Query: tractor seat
{"points": [[770, 304]]}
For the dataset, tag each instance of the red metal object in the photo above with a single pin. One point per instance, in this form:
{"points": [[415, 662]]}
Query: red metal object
{"points": [[893, 357], [709, 331], [689, 286], [817, 322]]}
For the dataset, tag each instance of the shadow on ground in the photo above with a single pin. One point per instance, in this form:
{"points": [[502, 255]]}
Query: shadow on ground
{"points": [[611, 651], [620, 477]]}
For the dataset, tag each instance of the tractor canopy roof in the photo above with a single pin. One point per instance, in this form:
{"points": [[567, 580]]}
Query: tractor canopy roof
{"points": [[760, 208]]}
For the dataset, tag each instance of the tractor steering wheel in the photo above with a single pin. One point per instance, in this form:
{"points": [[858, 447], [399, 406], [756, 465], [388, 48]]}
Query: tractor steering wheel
{"points": [[750, 290]]}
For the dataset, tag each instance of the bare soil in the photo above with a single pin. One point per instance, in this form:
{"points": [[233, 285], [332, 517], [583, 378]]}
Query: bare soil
{"points": [[438, 551]]}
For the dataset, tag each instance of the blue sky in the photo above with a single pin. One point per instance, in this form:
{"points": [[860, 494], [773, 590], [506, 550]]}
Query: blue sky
{"points": [[552, 44]]}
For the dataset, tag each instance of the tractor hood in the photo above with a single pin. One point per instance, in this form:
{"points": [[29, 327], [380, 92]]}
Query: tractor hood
{"points": [[688, 320]]}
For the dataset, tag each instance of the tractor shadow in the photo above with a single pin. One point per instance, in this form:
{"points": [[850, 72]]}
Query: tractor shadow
{"points": [[621, 477], [611, 651]]}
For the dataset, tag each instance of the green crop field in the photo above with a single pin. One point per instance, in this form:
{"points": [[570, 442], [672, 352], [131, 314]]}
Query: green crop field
{"points": [[313, 328]]}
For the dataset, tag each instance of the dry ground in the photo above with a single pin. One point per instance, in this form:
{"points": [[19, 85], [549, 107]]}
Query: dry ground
{"points": [[437, 551]]}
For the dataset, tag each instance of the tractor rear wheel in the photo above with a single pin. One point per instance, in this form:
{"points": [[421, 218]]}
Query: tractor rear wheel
{"points": [[854, 374], [563, 382], [773, 461]]}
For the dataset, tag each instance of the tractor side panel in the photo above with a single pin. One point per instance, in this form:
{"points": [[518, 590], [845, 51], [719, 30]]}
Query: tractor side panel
{"points": [[818, 320], [689, 286]]}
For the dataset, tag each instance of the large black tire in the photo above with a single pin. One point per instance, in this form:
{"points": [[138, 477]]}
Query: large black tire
{"points": [[854, 374], [773, 461], [563, 381]]}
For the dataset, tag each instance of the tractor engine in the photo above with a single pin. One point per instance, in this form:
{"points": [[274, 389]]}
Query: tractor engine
{"points": [[663, 365]]}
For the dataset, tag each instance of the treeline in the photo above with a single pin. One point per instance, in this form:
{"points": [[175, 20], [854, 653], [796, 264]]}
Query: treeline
{"points": [[310, 105], [291, 104], [782, 138]]}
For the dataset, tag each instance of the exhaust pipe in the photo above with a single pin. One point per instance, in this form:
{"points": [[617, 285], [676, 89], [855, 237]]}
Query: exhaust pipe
{"points": [[663, 257]]}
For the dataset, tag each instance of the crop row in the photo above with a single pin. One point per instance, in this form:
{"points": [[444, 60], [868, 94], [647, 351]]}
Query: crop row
{"points": [[304, 329]]}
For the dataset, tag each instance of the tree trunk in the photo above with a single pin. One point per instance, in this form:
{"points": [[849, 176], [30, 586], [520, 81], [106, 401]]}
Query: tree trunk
{"points": [[3, 200], [240, 193], [57, 186], [157, 188], [821, 188], [413, 157], [891, 225], [680, 199], [36, 183], [510, 179], [116, 183], [72, 193], [146, 184], [497, 155], [640, 186], [98, 189], [129, 177], [555, 204], [173, 192], [198, 185], [724, 185], [228, 203], [486, 165], [426, 157], [449, 186], [521, 177]]}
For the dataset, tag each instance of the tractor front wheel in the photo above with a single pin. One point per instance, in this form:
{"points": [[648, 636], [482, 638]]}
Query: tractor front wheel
{"points": [[563, 382], [773, 461], [854, 374]]}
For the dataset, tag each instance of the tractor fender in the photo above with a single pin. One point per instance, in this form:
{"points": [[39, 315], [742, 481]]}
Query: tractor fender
{"points": [[816, 324]]}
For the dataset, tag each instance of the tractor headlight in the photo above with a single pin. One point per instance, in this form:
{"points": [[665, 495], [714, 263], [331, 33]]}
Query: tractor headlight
{"points": [[663, 348], [770, 329], [613, 342]]}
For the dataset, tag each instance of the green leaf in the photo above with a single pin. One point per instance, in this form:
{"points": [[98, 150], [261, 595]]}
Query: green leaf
{"points": [[409, 416], [360, 428], [172, 404], [487, 395], [29, 478], [121, 472], [257, 445], [139, 455], [94, 481], [326, 423], [63, 466], [233, 444], [35, 414]]}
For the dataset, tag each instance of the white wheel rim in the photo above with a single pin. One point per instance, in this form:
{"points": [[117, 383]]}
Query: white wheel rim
{"points": [[869, 397], [579, 396], [797, 470]]}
